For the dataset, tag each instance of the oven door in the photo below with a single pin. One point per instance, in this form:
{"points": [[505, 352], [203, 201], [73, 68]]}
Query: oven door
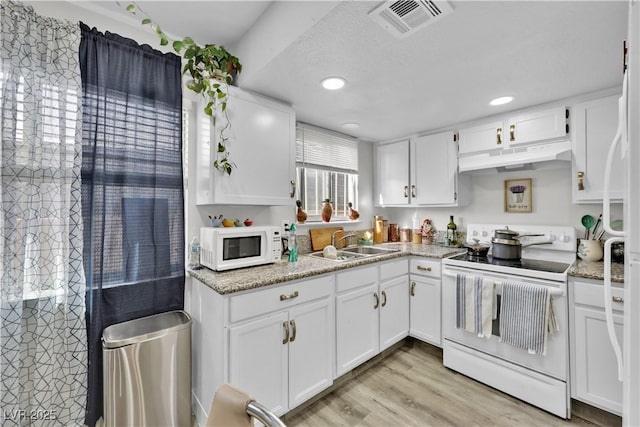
{"points": [[554, 363]]}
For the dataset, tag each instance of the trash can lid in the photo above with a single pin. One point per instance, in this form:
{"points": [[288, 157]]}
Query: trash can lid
{"points": [[145, 328]]}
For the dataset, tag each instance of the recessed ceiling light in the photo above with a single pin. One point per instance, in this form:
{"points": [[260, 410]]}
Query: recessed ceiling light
{"points": [[351, 125], [333, 83], [501, 101]]}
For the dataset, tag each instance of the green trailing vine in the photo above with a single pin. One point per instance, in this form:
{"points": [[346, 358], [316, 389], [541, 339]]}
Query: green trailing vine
{"points": [[211, 69]]}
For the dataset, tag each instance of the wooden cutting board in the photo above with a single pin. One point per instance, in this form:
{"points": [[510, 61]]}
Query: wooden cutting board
{"points": [[321, 237]]}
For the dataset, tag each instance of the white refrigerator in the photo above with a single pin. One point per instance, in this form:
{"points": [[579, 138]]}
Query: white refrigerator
{"points": [[628, 137]]}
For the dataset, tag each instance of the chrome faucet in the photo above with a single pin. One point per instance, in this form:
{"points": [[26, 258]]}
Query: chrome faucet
{"points": [[334, 241]]}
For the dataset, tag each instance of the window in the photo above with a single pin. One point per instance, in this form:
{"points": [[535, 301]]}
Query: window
{"points": [[326, 168], [37, 171]]}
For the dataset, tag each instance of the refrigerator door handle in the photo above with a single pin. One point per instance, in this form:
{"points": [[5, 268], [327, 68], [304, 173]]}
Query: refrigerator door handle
{"points": [[608, 309], [621, 133]]}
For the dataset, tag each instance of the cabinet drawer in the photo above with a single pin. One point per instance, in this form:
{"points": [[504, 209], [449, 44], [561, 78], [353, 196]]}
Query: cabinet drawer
{"points": [[392, 269], [586, 293], [355, 278], [425, 267], [279, 298]]}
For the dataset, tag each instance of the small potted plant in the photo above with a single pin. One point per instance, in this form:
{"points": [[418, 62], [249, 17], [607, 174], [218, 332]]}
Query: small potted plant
{"points": [[212, 69]]}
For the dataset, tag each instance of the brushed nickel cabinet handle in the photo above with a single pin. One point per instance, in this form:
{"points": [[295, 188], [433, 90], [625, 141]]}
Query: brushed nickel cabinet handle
{"points": [[499, 136], [413, 289], [512, 133], [406, 189], [413, 191], [580, 181], [292, 193], [292, 296], [617, 299], [285, 325], [375, 295], [384, 302], [293, 330], [421, 268]]}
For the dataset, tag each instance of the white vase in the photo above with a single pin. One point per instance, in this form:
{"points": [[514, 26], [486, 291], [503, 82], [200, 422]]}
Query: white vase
{"points": [[590, 250]]}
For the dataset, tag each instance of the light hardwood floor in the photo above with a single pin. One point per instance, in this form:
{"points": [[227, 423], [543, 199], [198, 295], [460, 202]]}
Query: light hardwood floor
{"points": [[411, 387]]}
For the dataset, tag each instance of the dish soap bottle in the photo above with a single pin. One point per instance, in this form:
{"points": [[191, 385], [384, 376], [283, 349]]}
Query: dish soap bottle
{"points": [[451, 232], [194, 254], [293, 244]]}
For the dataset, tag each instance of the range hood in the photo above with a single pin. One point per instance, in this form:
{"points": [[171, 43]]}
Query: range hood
{"points": [[518, 158]]}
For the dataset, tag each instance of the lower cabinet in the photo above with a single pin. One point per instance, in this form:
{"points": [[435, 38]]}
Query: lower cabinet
{"points": [[284, 358], [425, 311], [371, 314], [276, 343], [594, 368]]}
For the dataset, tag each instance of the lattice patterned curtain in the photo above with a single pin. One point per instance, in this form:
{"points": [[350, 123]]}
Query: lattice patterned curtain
{"points": [[43, 348]]}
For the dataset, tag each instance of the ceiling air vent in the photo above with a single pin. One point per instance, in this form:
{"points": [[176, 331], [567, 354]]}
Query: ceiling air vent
{"points": [[404, 17]]}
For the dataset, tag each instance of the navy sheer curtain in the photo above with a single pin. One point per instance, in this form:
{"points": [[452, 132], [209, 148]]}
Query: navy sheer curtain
{"points": [[132, 188]]}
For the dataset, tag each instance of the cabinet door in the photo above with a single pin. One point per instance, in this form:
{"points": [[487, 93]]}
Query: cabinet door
{"points": [[394, 311], [258, 360], [485, 137], [310, 350], [594, 126], [425, 309], [261, 138], [356, 327], [392, 174], [434, 160], [596, 367], [535, 126]]}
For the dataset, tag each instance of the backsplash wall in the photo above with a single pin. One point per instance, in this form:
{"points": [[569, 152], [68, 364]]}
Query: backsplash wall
{"points": [[551, 202]]}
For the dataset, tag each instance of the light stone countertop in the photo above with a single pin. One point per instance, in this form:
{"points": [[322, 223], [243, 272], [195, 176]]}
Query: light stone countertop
{"points": [[595, 270], [243, 279]]}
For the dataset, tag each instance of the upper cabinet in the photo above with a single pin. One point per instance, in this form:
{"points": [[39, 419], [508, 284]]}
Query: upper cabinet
{"points": [[421, 171], [392, 173], [595, 124], [261, 135], [516, 130]]}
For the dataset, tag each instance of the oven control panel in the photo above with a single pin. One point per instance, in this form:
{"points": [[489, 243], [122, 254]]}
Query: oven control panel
{"points": [[555, 238]]}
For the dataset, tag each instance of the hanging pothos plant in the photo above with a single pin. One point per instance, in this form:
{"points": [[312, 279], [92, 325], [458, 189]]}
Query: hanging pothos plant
{"points": [[212, 69]]}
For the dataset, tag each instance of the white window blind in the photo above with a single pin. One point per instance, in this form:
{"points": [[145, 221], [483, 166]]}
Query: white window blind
{"points": [[322, 148]]}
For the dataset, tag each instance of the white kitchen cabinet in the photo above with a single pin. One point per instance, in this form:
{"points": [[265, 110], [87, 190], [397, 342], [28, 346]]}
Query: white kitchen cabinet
{"points": [[484, 137], [276, 343], [537, 126], [392, 174], [264, 377], [594, 369], [284, 358], [261, 134], [394, 303], [422, 171], [594, 125], [434, 170], [357, 326], [425, 300], [371, 312], [515, 130]]}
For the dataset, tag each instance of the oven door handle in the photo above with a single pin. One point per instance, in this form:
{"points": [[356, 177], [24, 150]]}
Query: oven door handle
{"points": [[553, 291]]}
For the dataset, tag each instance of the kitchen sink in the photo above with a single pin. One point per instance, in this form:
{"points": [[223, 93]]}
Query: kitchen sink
{"points": [[356, 252], [340, 256], [370, 250]]}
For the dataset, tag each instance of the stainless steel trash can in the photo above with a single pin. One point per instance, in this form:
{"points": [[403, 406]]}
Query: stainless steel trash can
{"points": [[147, 371]]}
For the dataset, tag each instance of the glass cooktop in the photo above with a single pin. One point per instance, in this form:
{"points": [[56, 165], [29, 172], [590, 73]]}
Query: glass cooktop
{"points": [[526, 264]]}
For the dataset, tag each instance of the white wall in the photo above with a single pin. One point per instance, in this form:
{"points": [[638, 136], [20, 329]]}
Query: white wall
{"points": [[551, 202]]}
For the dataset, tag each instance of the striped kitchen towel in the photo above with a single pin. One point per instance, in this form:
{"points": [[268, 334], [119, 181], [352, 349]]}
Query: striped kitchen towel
{"points": [[474, 304], [525, 314]]}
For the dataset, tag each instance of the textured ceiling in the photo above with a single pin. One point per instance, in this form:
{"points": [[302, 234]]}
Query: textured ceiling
{"points": [[445, 73]]}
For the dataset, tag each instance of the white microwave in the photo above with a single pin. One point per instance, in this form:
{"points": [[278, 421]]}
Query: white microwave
{"points": [[238, 247]]}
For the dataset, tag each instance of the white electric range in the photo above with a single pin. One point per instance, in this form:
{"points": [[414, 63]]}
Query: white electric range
{"points": [[541, 380]]}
